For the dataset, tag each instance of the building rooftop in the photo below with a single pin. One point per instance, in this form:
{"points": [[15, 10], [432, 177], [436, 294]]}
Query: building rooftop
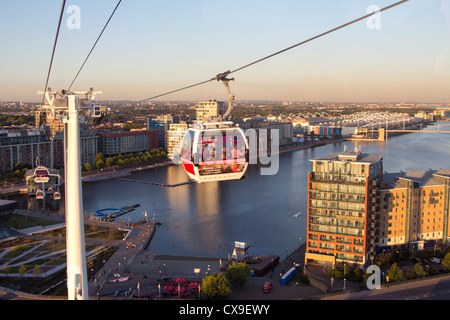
{"points": [[424, 178], [355, 155]]}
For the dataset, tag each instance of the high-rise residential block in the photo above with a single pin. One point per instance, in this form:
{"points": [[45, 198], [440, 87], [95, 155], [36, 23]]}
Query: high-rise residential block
{"points": [[343, 198]]}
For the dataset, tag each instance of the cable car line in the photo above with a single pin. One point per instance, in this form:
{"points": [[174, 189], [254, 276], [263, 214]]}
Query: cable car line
{"points": [[173, 91], [54, 47], [319, 36], [220, 76], [93, 47]]}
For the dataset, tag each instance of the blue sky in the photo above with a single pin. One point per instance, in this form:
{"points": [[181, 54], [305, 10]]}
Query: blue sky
{"points": [[151, 47]]}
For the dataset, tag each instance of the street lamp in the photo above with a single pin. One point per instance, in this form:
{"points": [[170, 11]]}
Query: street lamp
{"points": [[345, 279]]}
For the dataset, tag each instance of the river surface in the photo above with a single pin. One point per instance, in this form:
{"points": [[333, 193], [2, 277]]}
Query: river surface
{"points": [[206, 219]]}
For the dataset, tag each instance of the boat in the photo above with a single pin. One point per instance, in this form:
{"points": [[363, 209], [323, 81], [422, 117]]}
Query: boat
{"points": [[298, 214]]}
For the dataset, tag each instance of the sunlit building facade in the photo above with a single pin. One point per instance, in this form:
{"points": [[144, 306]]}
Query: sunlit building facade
{"points": [[415, 207], [343, 200]]}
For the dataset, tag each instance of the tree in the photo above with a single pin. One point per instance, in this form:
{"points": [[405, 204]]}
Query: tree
{"points": [[99, 157], [216, 286], [100, 164], [418, 269], [88, 167], [109, 162], [22, 269], [238, 274], [37, 270], [395, 273], [446, 262]]}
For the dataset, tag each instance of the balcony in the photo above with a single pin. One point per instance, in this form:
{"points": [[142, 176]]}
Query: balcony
{"points": [[333, 230], [329, 178], [338, 197]]}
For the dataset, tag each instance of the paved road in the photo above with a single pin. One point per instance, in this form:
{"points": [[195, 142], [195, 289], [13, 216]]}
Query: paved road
{"points": [[429, 289]]}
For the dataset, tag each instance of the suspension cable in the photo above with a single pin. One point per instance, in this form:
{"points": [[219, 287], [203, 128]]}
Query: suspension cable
{"points": [[93, 47], [221, 75], [54, 48], [319, 36]]}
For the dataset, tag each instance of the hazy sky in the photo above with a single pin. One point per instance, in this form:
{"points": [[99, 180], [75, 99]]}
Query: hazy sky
{"points": [[151, 47]]}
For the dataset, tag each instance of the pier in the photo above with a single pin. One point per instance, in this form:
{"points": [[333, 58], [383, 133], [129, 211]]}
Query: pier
{"points": [[156, 183]]}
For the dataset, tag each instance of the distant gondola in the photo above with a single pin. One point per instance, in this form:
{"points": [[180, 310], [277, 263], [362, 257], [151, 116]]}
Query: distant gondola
{"points": [[41, 175], [39, 194]]}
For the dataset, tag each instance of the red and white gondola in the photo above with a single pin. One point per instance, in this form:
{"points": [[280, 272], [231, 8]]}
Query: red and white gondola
{"points": [[214, 152]]}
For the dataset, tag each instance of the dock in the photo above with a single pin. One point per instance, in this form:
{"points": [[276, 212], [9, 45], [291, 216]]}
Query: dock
{"points": [[156, 183], [260, 266], [110, 214]]}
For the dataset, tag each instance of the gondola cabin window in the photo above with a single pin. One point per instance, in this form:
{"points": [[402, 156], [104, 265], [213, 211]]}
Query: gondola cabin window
{"points": [[215, 154]]}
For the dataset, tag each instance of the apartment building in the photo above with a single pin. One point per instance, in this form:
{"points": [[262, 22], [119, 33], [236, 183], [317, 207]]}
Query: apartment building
{"points": [[23, 147], [175, 136], [343, 197], [210, 111], [161, 124], [113, 143], [414, 207]]}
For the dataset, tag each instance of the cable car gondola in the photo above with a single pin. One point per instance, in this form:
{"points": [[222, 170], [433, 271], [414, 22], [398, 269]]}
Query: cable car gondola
{"points": [[39, 194], [57, 195], [214, 152], [41, 175]]}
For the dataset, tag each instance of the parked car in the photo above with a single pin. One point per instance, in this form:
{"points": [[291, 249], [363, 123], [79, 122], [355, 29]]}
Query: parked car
{"points": [[435, 260], [267, 287]]}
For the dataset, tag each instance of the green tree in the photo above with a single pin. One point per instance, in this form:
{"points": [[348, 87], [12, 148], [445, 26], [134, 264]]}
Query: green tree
{"points": [[395, 273], [418, 269], [216, 286], [446, 262], [88, 167], [109, 162], [99, 157], [238, 274], [22, 269], [100, 164]]}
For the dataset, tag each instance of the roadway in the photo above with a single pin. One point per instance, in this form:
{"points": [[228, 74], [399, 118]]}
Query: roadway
{"points": [[428, 289]]}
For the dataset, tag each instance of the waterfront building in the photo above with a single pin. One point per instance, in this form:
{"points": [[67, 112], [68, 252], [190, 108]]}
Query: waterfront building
{"points": [[175, 136], [210, 111], [443, 112], [414, 207], [23, 147], [88, 149], [113, 143], [161, 124], [343, 195]]}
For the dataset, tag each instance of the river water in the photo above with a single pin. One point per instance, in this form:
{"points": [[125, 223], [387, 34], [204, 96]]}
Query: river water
{"points": [[206, 219]]}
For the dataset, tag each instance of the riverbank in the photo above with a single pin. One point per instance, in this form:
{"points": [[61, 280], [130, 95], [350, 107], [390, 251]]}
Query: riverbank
{"points": [[19, 187]]}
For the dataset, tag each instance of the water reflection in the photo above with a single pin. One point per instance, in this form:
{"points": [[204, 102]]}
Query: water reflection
{"points": [[206, 219]]}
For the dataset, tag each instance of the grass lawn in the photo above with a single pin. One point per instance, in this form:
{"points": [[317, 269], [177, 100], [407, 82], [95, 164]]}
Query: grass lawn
{"points": [[18, 221]]}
